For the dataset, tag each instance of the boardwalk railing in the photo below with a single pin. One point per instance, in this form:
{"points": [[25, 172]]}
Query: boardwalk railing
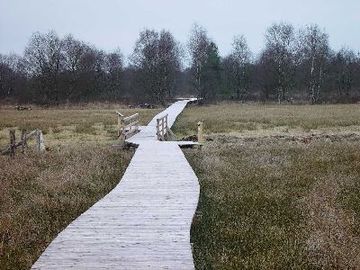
{"points": [[127, 126], [162, 127]]}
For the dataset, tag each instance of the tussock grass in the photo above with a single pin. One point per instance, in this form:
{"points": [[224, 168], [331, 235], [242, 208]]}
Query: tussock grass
{"points": [[262, 205]]}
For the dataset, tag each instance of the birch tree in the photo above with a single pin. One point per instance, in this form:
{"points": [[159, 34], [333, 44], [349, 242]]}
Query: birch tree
{"points": [[313, 51], [239, 66], [198, 49]]}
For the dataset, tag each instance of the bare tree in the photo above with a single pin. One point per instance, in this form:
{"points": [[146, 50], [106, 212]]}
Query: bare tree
{"points": [[44, 58], [156, 59], [73, 51], [280, 47], [239, 66], [114, 69], [345, 63], [313, 49], [198, 47], [266, 75], [170, 62]]}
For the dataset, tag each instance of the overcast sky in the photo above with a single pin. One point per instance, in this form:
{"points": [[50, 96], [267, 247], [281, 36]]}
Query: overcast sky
{"points": [[111, 24]]}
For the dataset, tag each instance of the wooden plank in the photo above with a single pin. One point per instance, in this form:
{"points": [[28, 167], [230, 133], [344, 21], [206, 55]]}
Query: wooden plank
{"points": [[131, 124], [131, 117], [143, 223]]}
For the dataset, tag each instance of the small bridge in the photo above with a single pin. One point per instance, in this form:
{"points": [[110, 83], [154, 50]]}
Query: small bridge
{"points": [[144, 222]]}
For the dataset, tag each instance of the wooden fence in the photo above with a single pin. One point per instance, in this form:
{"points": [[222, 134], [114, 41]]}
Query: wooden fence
{"points": [[23, 143], [127, 126]]}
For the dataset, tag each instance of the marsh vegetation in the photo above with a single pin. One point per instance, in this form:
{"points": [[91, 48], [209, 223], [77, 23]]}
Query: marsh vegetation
{"points": [[279, 186], [40, 194]]}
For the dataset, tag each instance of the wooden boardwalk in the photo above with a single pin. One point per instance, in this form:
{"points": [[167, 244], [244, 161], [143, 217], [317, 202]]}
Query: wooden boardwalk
{"points": [[144, 222]]}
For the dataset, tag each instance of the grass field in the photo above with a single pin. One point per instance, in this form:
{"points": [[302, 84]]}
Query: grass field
{"points": [[257, 120], [41, 194], [69, 125], [280, 186]]}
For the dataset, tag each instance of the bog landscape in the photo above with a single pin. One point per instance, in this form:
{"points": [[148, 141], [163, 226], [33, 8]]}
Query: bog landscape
{"points": [[177, 156]]}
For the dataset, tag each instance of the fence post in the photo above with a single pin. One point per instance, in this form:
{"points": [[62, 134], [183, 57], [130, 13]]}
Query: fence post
{"points": [[12, 142], [120, 122], [23, 140], [119, 125], [201, 138], [40, 141]]}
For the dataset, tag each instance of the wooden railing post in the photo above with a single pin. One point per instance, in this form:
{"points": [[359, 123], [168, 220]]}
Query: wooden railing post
{"points": [[40, 141], [166, 122], [23, 140], [120, 124], [121, 133], [163, 129], [201, 138], [158, 128]]}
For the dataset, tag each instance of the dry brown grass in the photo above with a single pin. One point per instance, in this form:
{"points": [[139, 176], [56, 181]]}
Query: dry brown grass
{"points": [[268, 204], [280, 186], [42, 194], [331, 243], [65, 126], [255, 120]]}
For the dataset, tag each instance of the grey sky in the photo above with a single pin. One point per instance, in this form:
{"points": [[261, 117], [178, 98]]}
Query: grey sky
{"points": [[111, 24]]}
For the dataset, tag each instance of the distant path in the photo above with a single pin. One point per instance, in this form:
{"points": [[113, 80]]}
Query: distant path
{"points": [[144, 222]]}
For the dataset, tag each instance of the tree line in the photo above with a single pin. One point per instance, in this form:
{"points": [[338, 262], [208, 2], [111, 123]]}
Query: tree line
{"points": [[294, 66]]}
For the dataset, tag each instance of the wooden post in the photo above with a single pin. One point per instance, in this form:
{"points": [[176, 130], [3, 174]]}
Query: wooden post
{"points": [[23, 140], [158, 128], [163, 129], [40, 141], [201, 138], [12, 142], [120, 122], [166, 135], [119, 125]]}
